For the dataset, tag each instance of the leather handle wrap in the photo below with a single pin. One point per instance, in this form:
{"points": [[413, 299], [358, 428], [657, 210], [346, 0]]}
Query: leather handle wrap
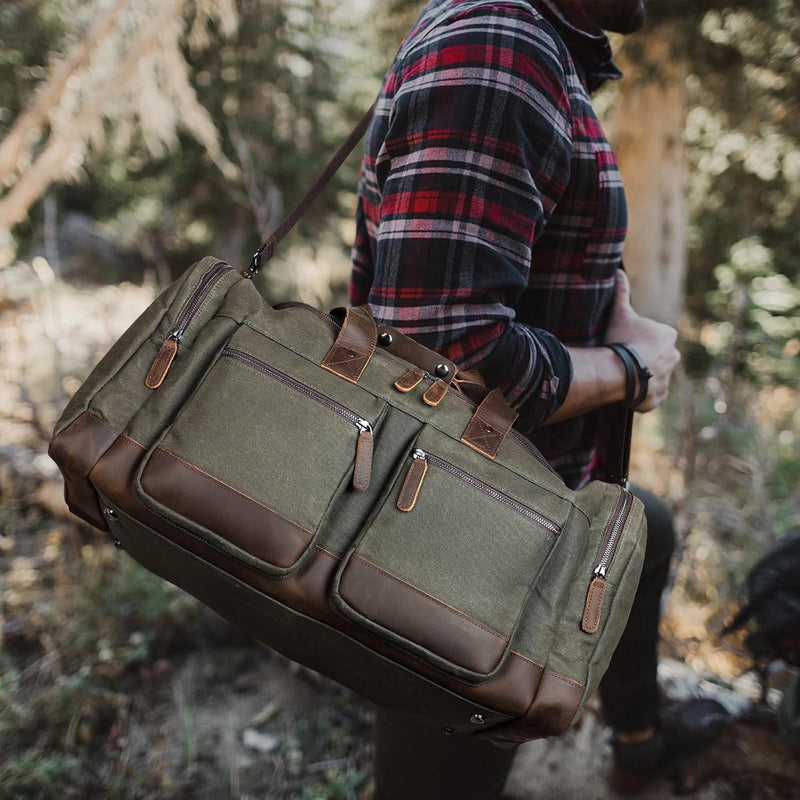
{"points": [[402, 346], [354, 345], [490, 424]]}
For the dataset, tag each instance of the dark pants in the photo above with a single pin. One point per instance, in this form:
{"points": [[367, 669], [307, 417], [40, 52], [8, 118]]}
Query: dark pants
{"points": [[414, 760]]}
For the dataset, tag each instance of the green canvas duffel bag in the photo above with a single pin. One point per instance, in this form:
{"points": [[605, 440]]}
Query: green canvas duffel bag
{"points": [[348, 498]]}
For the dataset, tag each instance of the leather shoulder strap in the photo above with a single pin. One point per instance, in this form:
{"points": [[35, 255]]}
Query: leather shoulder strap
{"points": [[265, 252]]}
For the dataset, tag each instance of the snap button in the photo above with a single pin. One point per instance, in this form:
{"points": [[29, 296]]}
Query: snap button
{"points": [[385, 339], [442, 371]]}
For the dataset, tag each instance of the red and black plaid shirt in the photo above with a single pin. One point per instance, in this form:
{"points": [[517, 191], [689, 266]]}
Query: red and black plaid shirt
{"points": [[492, 217]]}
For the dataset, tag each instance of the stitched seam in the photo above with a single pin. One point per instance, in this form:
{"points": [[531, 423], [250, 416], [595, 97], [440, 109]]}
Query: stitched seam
{"points": [[244, 497], [563, 679], [515, 654], [431, 598]]}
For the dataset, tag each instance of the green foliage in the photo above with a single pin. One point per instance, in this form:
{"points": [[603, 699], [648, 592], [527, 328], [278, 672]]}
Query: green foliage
{"points": [[744, 184], [41, 775]]}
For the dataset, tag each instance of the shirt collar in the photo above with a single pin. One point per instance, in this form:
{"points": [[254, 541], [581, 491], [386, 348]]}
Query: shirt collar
{"points": [[587, 43]]}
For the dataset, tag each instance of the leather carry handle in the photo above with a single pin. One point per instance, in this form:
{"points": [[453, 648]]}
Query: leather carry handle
{"points": [[354, 345]]}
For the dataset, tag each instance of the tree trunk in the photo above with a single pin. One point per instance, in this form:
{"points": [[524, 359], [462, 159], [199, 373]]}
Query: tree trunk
{"points": [[649, 123]]}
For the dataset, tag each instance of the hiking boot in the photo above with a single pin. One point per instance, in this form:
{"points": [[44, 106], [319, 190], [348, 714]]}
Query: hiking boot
{"points": [[684, 729]]}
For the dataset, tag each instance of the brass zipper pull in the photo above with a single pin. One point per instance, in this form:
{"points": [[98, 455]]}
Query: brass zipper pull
{"points": [[413, 482], [162, 362], [362, 471]]}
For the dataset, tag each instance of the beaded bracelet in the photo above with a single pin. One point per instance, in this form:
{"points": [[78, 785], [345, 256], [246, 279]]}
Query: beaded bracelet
{"points": [[635, 370]]}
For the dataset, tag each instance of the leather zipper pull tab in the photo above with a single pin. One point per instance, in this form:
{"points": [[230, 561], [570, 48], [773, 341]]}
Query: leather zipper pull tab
{"points": [[162, 363], [435, 393], [594, 604], [409, 381], [362, 471], [407, 498]]}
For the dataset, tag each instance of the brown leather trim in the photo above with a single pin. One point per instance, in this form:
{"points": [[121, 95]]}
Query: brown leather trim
{"points": [[406, 348], [594, 605], [161, 364], [198, 496], [435, 393], [551, 713], [392, 603], [354, 345], [510, 690], [362, 471], [412, 484], [409, 381], [489, 425], [76, 450]]}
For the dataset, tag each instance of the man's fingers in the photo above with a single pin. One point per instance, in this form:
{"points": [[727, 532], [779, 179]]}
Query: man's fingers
{"points": [[623, 287]]}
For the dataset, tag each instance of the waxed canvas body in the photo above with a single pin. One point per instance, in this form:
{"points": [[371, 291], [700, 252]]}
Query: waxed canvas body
{"points": [[353, 525]]}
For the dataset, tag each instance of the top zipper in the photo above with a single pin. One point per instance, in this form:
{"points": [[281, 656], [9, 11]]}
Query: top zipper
{"points": [[197, 298], [613, 530], [169, 347], [597, 586]]}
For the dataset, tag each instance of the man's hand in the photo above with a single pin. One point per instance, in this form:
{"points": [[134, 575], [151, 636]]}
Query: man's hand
{"points": [[598, 376], [654, 341]]}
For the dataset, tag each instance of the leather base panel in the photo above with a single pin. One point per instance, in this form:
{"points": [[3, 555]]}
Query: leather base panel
{"points": [[551, 713], [232, 516], [76, 450], [389, 602]]}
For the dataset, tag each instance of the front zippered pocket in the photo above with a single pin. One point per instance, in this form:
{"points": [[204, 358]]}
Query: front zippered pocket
{"points": [[169, 347], [265, 445], [362, 468], [412, 486], [445, 565], [608, 548]]}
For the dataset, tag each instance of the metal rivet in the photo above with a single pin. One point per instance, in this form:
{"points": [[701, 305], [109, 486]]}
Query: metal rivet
{"points": [[448, 731], [118, 544], [442, 371], [477, 719], [488, 429], [110, 514], [385, 339]]}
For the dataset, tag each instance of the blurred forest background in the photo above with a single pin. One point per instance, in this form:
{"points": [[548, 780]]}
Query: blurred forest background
{"points": [[139, 135]]}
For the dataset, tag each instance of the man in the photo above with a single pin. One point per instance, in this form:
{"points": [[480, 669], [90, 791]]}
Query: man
{"points": [[490, 227]]}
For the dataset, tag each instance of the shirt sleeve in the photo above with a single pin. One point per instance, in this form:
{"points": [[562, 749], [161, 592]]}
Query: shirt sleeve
{"points": [[475, 157]]}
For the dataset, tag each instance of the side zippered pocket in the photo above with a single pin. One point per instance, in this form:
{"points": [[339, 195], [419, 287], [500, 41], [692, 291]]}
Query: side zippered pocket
{"points": [[169, 348], [608, 548]]}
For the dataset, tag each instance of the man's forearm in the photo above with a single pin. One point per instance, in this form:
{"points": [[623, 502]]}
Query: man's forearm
{"points": [[598, 379]]}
